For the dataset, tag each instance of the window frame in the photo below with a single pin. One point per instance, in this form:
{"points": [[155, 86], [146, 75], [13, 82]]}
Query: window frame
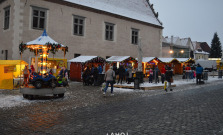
{"points": [[134, 37], [6, 26], [39, 17], [78, 24], [110, 32]]}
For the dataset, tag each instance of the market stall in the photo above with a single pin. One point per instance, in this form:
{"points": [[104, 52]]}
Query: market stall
{"points": [[175, 63], [78, 65], [147, 63], [121, 60], [10, 71]]}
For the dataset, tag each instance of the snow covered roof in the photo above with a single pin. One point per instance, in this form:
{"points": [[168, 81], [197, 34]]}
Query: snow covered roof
{"points": [[183, 59], [166, 59], [134, 9], [201, 52], [42, 40], [147, 59], [82, 59], [117, 58]]}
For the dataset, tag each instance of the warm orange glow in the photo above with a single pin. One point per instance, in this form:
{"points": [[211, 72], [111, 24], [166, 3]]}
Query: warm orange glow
{"points": [[171, 51], [182, 51]]}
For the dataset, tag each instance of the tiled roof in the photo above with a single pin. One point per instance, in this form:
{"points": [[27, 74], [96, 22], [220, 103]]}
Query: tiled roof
{"points": [[205, 47]]}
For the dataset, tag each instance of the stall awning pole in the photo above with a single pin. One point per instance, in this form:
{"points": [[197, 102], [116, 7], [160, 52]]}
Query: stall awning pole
{"points": [[20, 72], [36, 62]]}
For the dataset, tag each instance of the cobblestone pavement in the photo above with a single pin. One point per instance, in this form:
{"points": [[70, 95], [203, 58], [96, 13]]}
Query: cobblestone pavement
{"points": [[192, 110]]}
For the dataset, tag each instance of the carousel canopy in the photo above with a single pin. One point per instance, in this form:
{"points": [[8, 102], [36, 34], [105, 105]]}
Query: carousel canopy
{"points": [[44, 39], [84, 59], [117, 58]]}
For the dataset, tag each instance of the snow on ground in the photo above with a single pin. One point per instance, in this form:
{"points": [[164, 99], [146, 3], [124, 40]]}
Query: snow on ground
{"points": [[11, 101], [7, 101], [177, 82]]}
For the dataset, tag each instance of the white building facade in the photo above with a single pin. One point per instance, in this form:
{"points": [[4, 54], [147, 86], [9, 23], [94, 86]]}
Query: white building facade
{"points": [[88, 27]]}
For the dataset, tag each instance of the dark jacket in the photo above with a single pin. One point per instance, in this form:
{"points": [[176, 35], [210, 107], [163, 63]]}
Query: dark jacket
{"points": [[169, 75], [121, 71]]}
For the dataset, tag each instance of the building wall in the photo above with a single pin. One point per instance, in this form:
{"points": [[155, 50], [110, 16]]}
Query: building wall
{"points": [[201, 56], [60, 28], [6, 36]]}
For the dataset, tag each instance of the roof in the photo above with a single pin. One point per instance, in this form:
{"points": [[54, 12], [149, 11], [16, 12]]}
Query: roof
{"points": [[42, 40], [201, 52], [168, 60], [117, 58], [83, 59], [12, 62], [135, 9], [147, 59], [205, 47]]}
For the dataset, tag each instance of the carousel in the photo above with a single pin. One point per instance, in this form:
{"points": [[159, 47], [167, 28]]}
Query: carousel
{"points": [[43, 82]]}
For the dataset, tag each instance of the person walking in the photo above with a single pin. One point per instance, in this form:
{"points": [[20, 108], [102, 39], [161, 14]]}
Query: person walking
{"points": [[121, 72], [199, 71], [109, 78], [169, 78]]}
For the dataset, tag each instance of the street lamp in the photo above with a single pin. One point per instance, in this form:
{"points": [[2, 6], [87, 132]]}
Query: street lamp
{"points": [[171, 51]]}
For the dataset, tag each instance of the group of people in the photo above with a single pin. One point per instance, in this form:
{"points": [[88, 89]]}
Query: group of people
{"points": [[193, 71], [90, 75], [124, 73], [166, 74]]}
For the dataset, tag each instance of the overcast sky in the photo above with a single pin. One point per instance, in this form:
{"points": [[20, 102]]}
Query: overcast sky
{"points": [[197, 19]]}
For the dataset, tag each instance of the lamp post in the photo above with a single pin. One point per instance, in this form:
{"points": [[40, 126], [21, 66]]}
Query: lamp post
{"points": [[139, 54]]}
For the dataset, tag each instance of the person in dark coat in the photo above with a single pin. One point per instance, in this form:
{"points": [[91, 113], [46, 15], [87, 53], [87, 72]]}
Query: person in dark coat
{"points": [[121, 72], [199, 71], [95, 75], [163, 72], [169, 77], [156, 74]]}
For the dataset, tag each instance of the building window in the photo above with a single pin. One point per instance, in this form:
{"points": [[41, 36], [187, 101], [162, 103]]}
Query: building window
{"points": [[6, 54], [109, 31], [6, 18], [39, 18], [79, 25], [135, 36]]}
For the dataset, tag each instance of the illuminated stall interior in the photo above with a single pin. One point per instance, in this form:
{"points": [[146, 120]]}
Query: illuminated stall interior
{"points": [[125, 61], [55, 64]]}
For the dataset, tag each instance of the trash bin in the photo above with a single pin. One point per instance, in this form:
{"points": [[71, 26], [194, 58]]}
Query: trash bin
{"points": [[139, 75], [136, 83], [100, 79], [219, 73]]}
